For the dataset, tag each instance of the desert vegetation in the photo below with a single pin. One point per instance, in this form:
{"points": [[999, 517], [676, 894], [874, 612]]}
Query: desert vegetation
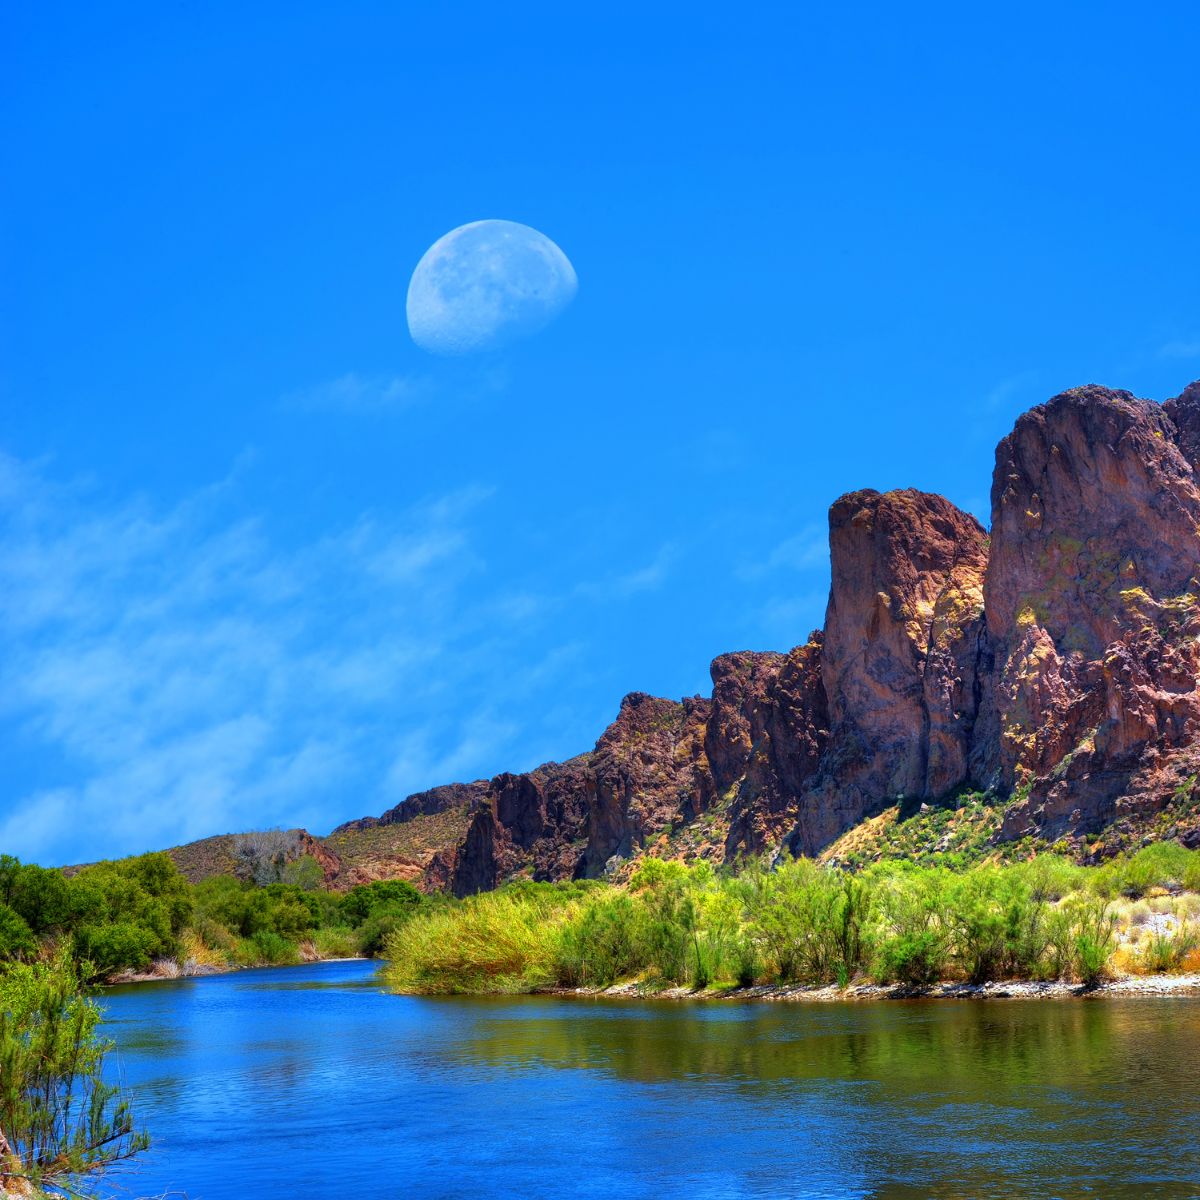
{"points": [[799, 923], [140, 915], [63, 1123]]}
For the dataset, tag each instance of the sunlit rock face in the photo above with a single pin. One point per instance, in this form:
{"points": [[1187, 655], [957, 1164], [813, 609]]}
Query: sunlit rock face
{"points": [[1091, 601], [900, 657], [764, 740]]}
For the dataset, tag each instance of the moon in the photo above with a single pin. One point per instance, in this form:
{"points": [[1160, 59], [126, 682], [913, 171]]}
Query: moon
{"points": [[487, 284]]}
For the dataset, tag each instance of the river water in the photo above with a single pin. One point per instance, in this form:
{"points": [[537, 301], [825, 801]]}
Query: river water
{"points": [[312, 1082]]}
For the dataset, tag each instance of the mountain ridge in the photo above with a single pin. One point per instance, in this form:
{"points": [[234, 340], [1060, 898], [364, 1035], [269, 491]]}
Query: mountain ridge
{"points": [[1051, 664]]}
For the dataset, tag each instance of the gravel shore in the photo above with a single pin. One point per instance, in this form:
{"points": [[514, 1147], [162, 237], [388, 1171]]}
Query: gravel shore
{"points": [[1130, 985]]}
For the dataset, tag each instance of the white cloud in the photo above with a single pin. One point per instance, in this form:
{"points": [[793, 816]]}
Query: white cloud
{"points": [[1181, 348], [805, 551], [176, 673], [786, 620], [1014, 388], [623, 584], [368, 394]]}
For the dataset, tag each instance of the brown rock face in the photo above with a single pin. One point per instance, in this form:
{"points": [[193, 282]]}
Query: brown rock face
{"points": [[530, 824], [650, 772], [1091, 601], [903, 640], [577, 819], [764, 739], [422, 804]]}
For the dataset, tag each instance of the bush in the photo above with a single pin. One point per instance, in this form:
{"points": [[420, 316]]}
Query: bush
{"points": [[916, 958], [1051, 876], [1094, 929], [336, 943], [597, 944], [1167, 950], [59, 1119], [997, 926], [912, 941], [1161, 864], [271, 949], [795, 913], [395, 895], [16, 938], [494, 942], [117, 945]]}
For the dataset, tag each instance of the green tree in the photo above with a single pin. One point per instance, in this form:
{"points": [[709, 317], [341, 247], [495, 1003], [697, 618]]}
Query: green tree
{"points": [[59, 1121]]}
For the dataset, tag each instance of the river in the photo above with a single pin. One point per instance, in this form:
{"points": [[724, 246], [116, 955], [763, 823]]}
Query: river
{"points": [[313, 1082]]}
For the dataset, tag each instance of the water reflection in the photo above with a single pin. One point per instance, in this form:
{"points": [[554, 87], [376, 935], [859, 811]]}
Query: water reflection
{"points": [[359, 1093]]}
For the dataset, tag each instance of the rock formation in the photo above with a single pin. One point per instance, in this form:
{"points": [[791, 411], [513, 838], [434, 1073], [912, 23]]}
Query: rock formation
{"points": [[1091, 601], [1054, 666], [903, 639]]}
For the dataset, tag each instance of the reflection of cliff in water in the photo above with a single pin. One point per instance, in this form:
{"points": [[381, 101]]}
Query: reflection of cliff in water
{"points": [[982, 1088]]}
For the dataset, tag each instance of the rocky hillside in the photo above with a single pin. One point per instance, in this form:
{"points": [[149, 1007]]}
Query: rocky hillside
{"points": [[1035, 685]]}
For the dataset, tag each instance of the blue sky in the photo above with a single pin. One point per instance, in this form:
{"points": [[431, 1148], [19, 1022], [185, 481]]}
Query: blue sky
{"points": [[264, 562]]}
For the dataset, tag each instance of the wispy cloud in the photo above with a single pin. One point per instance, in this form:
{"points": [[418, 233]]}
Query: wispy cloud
{"points": [[385, 394], [171, 673], [1181, 348], [1015, 389], [787, 619], [623, 584], [356, 393], [807, 550]]}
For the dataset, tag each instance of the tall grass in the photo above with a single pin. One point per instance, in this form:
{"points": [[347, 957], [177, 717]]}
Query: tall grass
{"points": [[496, 942], [791, 923]]}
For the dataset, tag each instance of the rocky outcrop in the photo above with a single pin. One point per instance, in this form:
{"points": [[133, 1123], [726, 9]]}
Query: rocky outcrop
{"points": [[422, 804], [764, 739], [650, 772], [902, 650], [1054, 665], [1091, 603], [587, 816]]}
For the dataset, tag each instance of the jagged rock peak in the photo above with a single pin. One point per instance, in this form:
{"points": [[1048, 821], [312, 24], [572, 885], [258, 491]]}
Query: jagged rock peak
{"points": [[899, 657]]}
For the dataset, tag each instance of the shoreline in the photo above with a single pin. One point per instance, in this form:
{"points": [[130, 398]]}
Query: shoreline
{"points": [[194, 970], [1012, 989]]}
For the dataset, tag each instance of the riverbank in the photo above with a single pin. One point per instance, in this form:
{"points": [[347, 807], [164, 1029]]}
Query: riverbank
{"points": [[1012, 989], [797, 929], [169, 969]]}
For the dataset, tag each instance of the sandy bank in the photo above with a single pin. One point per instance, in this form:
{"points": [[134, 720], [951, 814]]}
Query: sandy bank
{"points": [[1131, 985], [165, 971]]}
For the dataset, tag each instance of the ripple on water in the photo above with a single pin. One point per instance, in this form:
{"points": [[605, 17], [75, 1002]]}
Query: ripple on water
{"points": [[257, 1083]]}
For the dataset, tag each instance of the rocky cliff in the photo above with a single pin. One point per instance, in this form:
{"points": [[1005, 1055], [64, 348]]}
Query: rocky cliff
{"points": [[1051, 670]]}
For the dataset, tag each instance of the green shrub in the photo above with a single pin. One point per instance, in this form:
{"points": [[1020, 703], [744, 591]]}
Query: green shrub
{"points": [[372, 935], [494, 942], [1161, 864], [915, 957], [336, 943], [597, 944], [304, 873], [912, 943], [792, 912], [273, 949], [996, 924], [1051, 876], [1165, 950], [1094, 927], [59, 1118], [395, 895], [16, 938], [114, 946]]}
